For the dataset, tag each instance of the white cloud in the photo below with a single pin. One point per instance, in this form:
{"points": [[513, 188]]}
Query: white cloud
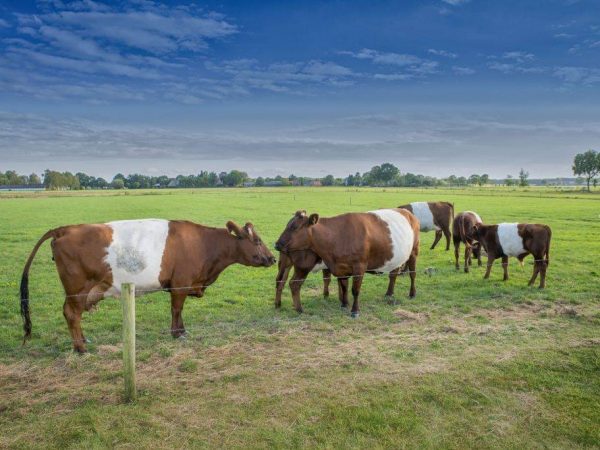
{"points": [[444, 53], [463, 70], [456, 2], [395, 59], [518, 56], [4, 23]]}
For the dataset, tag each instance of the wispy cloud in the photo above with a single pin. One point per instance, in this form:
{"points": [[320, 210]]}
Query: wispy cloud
{"points": [[462, 70], [412, 66], [445, 53]]}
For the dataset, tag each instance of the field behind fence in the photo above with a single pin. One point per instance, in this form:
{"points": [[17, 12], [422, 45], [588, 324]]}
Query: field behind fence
{"points": [[469, 362]]}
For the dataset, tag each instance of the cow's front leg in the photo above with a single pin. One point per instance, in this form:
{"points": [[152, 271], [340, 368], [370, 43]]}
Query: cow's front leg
{"points": [[177, 301], [282, 276], [438, 236], [490, 262], [505, 267], [467, 257], [343, 291], [392, 282], [356, 284], [295, 284], [326, 282]]}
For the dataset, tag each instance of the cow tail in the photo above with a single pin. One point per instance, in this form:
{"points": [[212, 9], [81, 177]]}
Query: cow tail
{"points": [[548, 248], [25, 286]]}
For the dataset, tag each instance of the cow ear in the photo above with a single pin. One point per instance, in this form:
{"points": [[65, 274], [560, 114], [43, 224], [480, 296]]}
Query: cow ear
{"points": [[300, 213], [313, 219], [234, 229], [248, 228]]}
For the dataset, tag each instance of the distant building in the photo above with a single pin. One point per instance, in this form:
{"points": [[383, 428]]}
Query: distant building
{"points": [[22, 187], [313, 183]]}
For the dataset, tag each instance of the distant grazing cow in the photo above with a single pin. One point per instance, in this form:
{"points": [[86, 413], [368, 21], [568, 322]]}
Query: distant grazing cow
{"points": [[433, 216], [519, 240], [305, 259], [180, 256], [462, 231], [353, 244]]}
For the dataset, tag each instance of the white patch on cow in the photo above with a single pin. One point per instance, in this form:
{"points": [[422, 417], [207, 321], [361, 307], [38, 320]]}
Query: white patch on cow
{"points": [[402, 237], [477, 218], [423, 213], [135, 253], [318, 267], [510, 241]]}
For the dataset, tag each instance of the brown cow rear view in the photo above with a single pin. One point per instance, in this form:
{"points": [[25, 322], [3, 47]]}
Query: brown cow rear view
{"points": [[462, 231], [519, 240], [183, 257]]}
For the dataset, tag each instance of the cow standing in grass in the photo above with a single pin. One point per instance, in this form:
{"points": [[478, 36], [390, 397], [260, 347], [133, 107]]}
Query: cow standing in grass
{"points": [[462, 231], [433, 216], [179, 256], [518, 240], [353, 244]]}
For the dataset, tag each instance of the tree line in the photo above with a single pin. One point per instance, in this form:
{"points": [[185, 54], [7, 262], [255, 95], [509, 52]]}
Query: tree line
{"points": [[585, 164]]}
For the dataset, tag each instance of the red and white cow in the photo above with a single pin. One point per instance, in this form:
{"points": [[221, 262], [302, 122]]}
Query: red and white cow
{"points": [[462, 231], [433, 216], [179, 256]]}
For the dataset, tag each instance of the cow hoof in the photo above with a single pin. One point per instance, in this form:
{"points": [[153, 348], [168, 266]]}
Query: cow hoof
{"points": [[412, 295], [354, 314], [390, 299]]}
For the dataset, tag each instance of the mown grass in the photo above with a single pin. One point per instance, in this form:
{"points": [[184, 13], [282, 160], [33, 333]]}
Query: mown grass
{"points": [[468, 363]]}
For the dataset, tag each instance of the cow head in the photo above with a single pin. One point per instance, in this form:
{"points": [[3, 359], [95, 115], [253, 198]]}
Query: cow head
{"points": [[251, 250], [295, 235]]}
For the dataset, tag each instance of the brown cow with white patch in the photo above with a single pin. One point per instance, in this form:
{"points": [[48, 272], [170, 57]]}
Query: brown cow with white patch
{"points": [[433, 216], [462, 231], [179, 256], [302, 258], [519, 240], [353, 244]]}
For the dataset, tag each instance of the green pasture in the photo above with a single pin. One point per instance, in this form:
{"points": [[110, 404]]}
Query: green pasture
{"points": [[468, 363]]}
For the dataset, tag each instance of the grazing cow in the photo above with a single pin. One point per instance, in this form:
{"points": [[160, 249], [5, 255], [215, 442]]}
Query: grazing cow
{"points": [[179, 256], [304, 259], [462, 231], [519, 240], [353, 244], [433, 216]]}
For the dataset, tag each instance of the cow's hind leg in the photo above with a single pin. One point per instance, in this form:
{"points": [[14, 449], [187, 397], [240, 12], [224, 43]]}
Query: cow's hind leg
{"points": [[326, 282], [543, 267], [392, 282], [343, 291], [490, 263], [448, 236], [177, 301], [468, 251], [438, 236], [412, 268], [72, 310], [356, 284], [456, 252], [536, 270], [295, 284]]}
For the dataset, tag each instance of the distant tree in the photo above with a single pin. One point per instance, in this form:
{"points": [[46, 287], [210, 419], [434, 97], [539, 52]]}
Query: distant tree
{"points": [[474, 179], [462, 181], [509, 181], [234, 178], [118, 183], [329, 180], [484, 179], [523, 178], [34, 179], [260, 181], [588, 165]]}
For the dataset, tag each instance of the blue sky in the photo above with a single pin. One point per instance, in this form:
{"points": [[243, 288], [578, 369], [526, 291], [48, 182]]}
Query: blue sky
{"points": [[436, 87]]}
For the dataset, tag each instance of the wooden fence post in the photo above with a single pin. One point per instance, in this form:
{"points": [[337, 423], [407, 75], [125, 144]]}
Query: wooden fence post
{"points": [[128, 302]]}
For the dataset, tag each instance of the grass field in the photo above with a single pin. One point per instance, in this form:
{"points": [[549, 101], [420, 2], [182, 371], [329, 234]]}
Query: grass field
{"points": [[468, 363]]}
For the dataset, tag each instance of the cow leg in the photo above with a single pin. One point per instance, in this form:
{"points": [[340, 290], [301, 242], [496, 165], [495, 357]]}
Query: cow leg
{"points": [[94, 296], [468, 250], [282, 276], [456, 250], [392, 283], [295, 284], [490, 262], [412, 268], [177, 301], [438, 236], [448, 236], [536, 270], [72, 310], [543, 267], [356, 284], [505, 267], [326, 282], [343, 291]]}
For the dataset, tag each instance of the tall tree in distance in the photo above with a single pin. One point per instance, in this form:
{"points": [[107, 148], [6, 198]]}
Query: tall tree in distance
{"points": [[588, 165], [523, 178]]}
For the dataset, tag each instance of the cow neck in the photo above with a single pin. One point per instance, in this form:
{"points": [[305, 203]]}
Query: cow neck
{"points": [[226, 251]]}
